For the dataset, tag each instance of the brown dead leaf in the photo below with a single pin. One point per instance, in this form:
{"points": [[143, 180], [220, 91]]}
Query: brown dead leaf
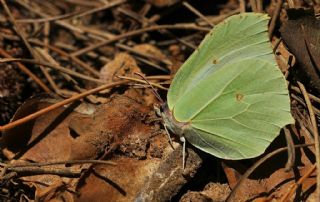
{"points": [[154, 55], [176, 57], [122, 65], [301, 34], [283, 57], [279, 183], [112, 123], [139, 174], [152, 179], [42, 139], [249, 189], [146, 95], [151, 50], [270, 181], [147, 167], [54, 193]]}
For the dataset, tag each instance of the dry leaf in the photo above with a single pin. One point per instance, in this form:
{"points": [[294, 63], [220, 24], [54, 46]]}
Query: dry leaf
{"points": [[301, 33], [122, 65]]}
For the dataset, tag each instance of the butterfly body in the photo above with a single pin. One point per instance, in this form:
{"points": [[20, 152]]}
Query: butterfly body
{"points": [[178, 128]]}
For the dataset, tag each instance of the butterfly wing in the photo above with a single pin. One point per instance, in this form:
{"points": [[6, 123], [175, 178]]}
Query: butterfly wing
{"points": [[244, 115], [237, 105], [239, 37]]}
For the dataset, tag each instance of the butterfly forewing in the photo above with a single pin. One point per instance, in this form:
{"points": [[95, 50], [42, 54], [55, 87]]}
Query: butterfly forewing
{"points": [[239, 37]]}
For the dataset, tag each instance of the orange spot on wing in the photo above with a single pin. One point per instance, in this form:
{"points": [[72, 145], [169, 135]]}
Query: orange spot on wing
{"points": [[239, 96], [215, 61]]}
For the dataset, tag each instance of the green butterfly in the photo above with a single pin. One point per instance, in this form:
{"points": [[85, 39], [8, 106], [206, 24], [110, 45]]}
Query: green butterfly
{"points": [[229, 98]]}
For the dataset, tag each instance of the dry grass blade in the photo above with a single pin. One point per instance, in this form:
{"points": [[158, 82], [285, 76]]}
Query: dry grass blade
{"points": [[27, 164], [21, 34], [275, 17], [291, 150], [195, 11], [137, 32], [59, 104], [71, 99], [142, 81], [57, 67], [76, 14]]}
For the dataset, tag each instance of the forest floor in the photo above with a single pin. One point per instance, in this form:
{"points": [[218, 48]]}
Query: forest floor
{"points": [[79, 124]]}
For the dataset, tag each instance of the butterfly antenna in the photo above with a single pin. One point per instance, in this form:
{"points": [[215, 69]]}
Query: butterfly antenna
{"points": [[153, 89]]}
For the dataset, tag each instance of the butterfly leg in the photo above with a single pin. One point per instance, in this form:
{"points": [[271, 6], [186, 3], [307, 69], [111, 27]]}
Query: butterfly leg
{"points": [[168, 134], [183, 140]]}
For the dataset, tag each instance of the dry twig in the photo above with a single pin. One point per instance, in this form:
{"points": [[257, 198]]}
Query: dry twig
{"points": [[315, 134]]}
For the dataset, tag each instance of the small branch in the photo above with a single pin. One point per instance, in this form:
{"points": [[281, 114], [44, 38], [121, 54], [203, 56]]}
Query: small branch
{"points": [[69, 100], [253, 4], [312, 97], [291, 150], [275, 17], [242, 6], [28, 164], [76, 14], [196, 12], [315, 133], [21, 34], [27, 171], [59, 51], [142, 81], [56, 67], [151, 21], [137, 32], [300, 101], [17, 28]]}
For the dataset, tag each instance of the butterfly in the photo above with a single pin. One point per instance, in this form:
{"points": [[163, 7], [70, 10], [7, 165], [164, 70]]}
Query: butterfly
{"points": [[229, 98]]}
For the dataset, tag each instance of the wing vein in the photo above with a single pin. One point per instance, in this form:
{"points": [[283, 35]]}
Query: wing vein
{"points": [[227, 139]]}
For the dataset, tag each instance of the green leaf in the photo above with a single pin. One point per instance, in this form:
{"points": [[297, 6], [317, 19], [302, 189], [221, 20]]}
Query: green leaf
{"points": [[230, 94]]}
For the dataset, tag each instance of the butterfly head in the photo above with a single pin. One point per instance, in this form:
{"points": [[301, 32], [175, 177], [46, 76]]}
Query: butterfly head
{"points": [[169, 121]]}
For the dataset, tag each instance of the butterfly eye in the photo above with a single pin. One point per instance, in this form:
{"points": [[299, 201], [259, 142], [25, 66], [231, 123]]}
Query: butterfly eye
{"points": [[163, 107]]}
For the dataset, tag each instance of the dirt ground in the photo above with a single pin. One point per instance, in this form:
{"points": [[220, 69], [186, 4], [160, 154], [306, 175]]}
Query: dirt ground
{"points": [[78, 123]]}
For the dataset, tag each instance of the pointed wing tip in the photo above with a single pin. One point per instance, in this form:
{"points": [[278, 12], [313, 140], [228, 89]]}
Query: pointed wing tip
{"points": [[292, 121], [263, 16]]}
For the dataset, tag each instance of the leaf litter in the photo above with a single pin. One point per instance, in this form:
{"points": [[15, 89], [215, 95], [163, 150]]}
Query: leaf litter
{"points": [[118, 123]]}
